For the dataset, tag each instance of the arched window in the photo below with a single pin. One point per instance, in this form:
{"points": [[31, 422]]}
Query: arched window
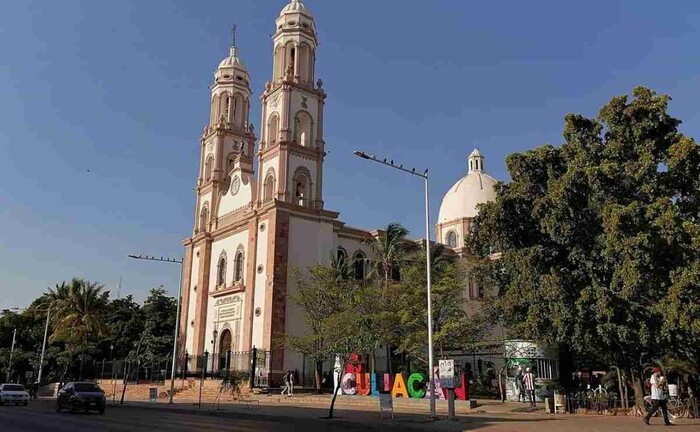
{"points": [[279, 62], [302, 129], [238, 268], [302, 188], [204, 218], [291, 57], [269, 187], [341, 255], [451, 239], [358, 266], [226, 107], [208, 167], [273, 129], [221, 271]]}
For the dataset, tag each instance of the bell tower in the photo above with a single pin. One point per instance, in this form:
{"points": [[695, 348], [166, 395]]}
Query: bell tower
{"points": [[291, 148], [228, 140]]}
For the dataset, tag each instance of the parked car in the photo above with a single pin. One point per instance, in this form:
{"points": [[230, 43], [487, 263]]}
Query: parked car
{"points": [[84, 396], [13, 394]]}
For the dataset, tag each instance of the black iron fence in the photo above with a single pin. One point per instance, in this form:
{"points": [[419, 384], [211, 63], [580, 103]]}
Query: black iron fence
{"points": [[255, 364]]}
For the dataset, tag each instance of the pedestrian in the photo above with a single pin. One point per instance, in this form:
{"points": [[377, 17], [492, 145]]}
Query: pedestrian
{"points": [[529, 382], [658, 396], [519, 385], [287, 388], [291, 382]]}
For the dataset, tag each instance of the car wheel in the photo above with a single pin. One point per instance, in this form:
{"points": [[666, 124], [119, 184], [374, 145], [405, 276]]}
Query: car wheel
{"points": [[58, 406]]}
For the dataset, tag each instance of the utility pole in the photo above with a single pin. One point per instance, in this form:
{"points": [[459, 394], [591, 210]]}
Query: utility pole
{"points": [[43, 346], [12, 351], [177, 317]]}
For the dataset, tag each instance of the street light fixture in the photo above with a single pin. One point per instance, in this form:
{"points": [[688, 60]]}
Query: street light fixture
{"points": [[177, 318], [424, 176]]}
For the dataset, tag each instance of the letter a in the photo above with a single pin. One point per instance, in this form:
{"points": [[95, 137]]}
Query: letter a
{"points": [[399, 387]]}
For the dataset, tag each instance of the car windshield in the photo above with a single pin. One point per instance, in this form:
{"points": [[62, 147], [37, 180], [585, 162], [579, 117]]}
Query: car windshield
{"points": [[86, 387], [12, 387]]}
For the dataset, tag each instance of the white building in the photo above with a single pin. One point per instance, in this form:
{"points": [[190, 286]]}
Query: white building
{"points": [[252, 227], [260, 212]]}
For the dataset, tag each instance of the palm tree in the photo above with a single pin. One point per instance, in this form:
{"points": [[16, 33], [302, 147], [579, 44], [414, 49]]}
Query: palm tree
{"points": [[78, 316], [388, 248], [340, 267]]}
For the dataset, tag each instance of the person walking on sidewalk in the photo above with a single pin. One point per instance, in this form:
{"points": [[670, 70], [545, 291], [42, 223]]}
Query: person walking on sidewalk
{"points": [[291, 382], [529, 382], [658, 396], [287, 388], [519, 385]]}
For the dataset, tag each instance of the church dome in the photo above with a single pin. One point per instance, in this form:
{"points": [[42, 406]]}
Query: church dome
{"points": [[475, 188], [295, 6], [233, 61]]}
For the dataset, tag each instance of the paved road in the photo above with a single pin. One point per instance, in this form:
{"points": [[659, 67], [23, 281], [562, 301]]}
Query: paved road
{"points": [[40, 416]]}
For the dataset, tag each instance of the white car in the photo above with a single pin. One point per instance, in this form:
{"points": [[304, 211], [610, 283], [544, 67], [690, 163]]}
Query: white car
{"points": [[13, 394]]}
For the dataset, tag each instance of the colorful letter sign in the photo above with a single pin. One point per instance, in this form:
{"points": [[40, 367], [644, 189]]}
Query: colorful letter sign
{"points": [[399, 389]]}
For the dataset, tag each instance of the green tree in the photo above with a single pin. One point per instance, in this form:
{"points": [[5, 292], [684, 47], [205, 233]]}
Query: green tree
{"points": [[162, 310], [454, 327], [328, 304], [125, 320], [78, 317], [599, 237], [390, 248]]}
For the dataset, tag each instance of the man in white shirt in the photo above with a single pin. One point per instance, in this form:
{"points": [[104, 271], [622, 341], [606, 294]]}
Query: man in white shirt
{"points": [[658, 396], [529, 383]]}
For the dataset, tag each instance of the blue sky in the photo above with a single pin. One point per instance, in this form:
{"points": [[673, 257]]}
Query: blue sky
{"points": [[120, 88]]}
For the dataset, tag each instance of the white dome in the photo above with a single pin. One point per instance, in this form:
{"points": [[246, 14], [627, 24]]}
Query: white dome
{"points": [[475, 188], [296, 7], [232, 61]]}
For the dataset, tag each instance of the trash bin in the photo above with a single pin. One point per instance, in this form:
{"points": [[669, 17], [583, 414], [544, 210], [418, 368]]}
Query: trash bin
{"points": [[153, 394]]}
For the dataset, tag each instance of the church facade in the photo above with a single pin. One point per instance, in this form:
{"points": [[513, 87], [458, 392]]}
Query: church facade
{"points": [[253, 226], [260, 213]]}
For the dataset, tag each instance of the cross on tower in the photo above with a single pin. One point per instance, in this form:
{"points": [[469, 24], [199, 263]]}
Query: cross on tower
{"points": [[233, 35]]}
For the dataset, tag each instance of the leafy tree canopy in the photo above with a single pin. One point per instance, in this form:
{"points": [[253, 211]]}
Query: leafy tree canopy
{"points": [[600, 237]]}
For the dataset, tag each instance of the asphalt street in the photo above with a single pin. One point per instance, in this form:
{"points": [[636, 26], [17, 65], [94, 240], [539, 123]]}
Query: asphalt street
{"points": [[40, 416]]}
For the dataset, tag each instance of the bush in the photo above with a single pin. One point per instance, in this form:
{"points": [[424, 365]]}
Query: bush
{"points": [[231, 381]]}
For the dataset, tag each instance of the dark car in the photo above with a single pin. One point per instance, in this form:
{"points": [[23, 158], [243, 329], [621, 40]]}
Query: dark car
{"points": [[83, 396]]}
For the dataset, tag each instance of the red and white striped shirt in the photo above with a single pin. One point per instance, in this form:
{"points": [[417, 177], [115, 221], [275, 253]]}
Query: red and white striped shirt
{"points": [[529, 381]]}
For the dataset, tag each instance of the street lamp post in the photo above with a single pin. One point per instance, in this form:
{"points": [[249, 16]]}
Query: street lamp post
{"points": [[424, 176], [177, 318], [43, 346], [12, 351]]}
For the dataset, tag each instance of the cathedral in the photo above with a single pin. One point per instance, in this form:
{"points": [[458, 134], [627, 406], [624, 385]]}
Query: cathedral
{"points": [[259, 209]]}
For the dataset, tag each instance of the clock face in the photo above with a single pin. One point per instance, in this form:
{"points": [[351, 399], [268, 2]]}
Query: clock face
{"points": [[235, 185]]}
